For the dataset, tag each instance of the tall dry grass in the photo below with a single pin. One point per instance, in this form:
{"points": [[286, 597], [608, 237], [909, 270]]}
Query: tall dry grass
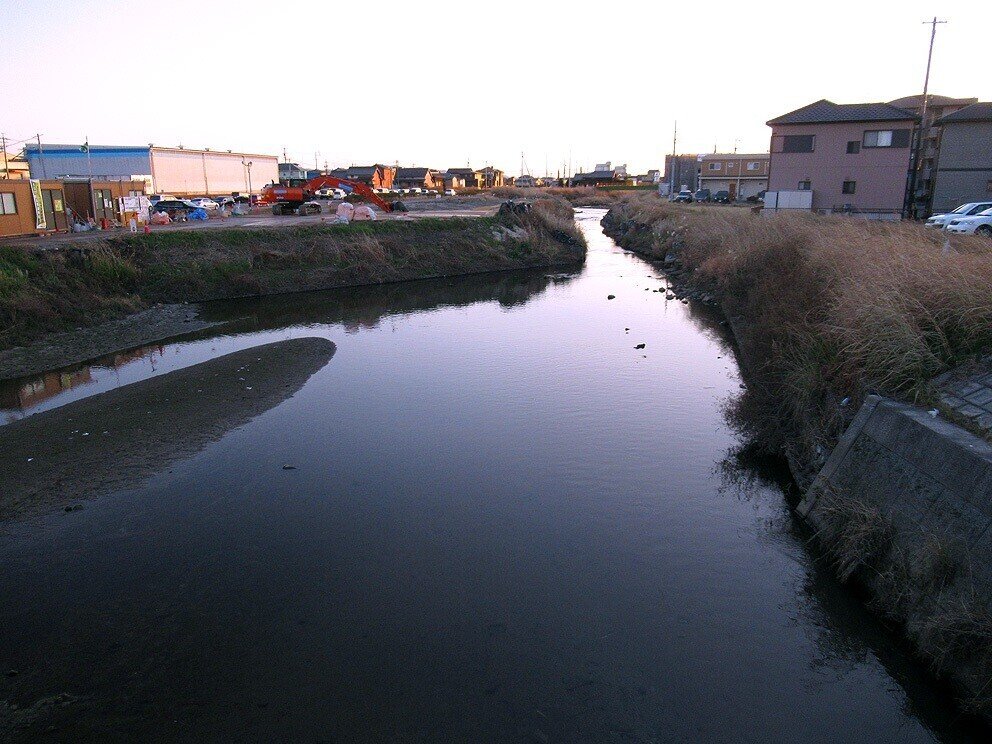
{"points": [[826, 308]]}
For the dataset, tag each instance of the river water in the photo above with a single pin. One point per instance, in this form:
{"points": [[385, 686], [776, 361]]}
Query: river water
{"points": [[505, 524]]}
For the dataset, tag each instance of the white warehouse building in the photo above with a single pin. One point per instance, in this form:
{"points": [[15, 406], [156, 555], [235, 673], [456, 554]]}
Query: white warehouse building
{"points": [[167, 170]]}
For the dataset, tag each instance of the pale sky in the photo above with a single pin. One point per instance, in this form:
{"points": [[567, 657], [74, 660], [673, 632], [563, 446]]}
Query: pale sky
{"points": [[442, 84]]}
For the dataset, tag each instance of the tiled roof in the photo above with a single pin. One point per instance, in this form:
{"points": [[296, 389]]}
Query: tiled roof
{"points": [[932, 100], [828, 112], [412, 172], [974, 112]]}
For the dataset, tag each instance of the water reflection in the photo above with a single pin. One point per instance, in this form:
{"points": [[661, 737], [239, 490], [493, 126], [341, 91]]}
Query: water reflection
{"points": [[352, 308]]}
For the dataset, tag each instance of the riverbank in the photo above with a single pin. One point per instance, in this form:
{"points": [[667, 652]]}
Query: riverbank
{"points": [[48, 292], [827, 311]]}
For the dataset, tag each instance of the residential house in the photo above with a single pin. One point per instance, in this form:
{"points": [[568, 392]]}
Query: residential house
{"points": [[647, 179], [455, 178], [525, 181], [854, 158], [682, 171], [377, 176], [489, 178], [603, 175], [928, 139], [741, 175], [964, 169], [417, 178], [13, 166], [290, 172]]}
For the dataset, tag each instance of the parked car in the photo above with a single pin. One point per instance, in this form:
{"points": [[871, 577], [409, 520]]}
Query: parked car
{"points": [[940, 221], [702, 195], [449, 192], [722, 197], [309, 207], [204, 202], [755, 198], [978, 224], [683, 197], [330, 193], [156, 198], [174, 208]]}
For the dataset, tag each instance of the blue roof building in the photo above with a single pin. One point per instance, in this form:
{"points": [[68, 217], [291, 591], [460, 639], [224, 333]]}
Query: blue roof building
{"points": [[102, 161]]}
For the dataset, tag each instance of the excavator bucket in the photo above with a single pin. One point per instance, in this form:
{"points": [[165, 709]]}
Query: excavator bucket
{"points": [[399, 206]]}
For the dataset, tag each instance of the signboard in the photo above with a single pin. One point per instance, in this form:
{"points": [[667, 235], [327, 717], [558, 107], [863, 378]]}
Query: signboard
{"points": [[39, 205]]}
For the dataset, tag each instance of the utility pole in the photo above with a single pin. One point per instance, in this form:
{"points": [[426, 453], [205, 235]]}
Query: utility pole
{"points": [[671, 170], [3, 146], [910, 209], [41, 157]]}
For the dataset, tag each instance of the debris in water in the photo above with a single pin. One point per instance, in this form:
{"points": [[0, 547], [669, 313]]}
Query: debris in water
{"points": [[640, 346], [611, 297], [289, 467], [73, 507]]}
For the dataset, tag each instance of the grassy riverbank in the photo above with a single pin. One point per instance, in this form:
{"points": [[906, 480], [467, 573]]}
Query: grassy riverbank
{"points": [[825, 309], [45, 292]]}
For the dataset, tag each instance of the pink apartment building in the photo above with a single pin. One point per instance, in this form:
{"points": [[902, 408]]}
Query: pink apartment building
{"points": [[853, 157]]}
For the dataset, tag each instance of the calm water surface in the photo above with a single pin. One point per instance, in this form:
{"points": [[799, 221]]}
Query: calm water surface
{"points": [[506, 525]]}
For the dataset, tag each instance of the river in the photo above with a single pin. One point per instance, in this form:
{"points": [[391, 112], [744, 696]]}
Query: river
{"points": [[488, 517]]}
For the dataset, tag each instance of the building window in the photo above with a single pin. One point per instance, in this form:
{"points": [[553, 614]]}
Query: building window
{"points": [[848, 187], [753, 166], [8, 205], [886, 138], [853, 148], [714, 166], [794, 143], [988, 187], [804, 185]]}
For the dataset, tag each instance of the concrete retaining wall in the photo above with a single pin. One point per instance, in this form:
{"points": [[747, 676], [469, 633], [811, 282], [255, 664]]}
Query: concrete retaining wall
{"points": [[904, 505], [925, 473]]}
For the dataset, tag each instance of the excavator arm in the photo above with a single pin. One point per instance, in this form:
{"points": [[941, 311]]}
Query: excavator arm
{"points": [[349, 187], [297, 194]]}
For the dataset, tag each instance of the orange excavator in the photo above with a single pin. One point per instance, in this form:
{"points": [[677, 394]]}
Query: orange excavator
{"points": [[289, 199]]}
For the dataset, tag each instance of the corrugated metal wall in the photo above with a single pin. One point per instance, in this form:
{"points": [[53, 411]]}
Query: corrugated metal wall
{"points": [[198, 172], [60, 162]]}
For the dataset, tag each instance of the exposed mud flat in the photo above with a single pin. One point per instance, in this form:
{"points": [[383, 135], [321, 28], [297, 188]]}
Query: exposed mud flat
{"points": [[108, 442]]}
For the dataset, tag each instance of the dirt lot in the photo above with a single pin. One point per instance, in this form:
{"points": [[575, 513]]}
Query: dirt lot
{"points": [[420, 207]]}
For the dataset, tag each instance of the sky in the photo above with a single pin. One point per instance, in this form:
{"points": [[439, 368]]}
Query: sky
{"points": [[445, 84]]}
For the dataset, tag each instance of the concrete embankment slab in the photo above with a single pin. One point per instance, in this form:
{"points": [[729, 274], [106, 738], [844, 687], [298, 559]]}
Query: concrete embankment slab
{"points": [[926, 474], [904, 505]]}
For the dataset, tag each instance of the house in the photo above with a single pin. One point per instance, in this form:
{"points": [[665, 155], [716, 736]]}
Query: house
{"points": [[929, 135], [13, 166], [964, 168], [650, 178], [853, 158], [290, 172], [603, 175], [166, 170], [525, 181], [489, 178], [681, 170], [377, 176], [741, 175], [417, 178]]}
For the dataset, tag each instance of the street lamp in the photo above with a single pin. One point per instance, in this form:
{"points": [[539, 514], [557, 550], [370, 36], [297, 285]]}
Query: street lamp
{"points": [[248, 166]]}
